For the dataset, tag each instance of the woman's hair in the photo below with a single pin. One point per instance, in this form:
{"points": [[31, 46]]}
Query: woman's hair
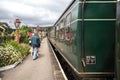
{"points": [[35, 31]]}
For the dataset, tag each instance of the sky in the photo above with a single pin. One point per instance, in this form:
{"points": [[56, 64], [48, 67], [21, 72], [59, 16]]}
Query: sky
{"points": [[32, 12]]}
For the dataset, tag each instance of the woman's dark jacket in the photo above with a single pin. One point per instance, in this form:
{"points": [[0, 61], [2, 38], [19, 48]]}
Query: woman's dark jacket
{"points": [[35, 41]]}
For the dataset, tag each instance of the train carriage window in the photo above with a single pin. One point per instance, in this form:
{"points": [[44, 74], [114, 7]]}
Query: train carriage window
{"points": [[62, 30], [67, 29], [68, 33], [57, 31], [68, 19], [61, 34], [52, 33]]}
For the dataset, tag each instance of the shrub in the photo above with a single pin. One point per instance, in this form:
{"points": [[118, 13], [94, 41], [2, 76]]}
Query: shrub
{"points": [[24, 34], [11, 52]]}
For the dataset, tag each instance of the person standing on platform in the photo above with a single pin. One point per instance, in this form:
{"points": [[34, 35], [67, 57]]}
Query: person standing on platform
{"points": [[35, 43]]}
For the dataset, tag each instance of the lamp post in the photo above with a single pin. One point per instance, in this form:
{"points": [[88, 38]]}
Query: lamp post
{"points": [[17, 24]]}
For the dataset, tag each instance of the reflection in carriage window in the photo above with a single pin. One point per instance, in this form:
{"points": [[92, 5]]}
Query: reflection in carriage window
{"points": [[61, 34], [57, 31], [67, 30], [61, 30], [68, 33]]}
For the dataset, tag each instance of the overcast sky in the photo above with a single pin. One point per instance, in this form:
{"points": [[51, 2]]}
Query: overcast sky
{"points": [[32, 12]]}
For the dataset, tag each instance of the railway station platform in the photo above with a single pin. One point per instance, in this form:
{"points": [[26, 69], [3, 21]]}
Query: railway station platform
{"points": [[39, 69]]}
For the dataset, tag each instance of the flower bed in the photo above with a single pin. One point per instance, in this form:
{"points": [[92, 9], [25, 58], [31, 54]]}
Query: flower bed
{"points": [[11, 52]]}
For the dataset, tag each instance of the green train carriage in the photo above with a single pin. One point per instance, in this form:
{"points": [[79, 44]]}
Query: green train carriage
{"points": [[85, 36]]}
